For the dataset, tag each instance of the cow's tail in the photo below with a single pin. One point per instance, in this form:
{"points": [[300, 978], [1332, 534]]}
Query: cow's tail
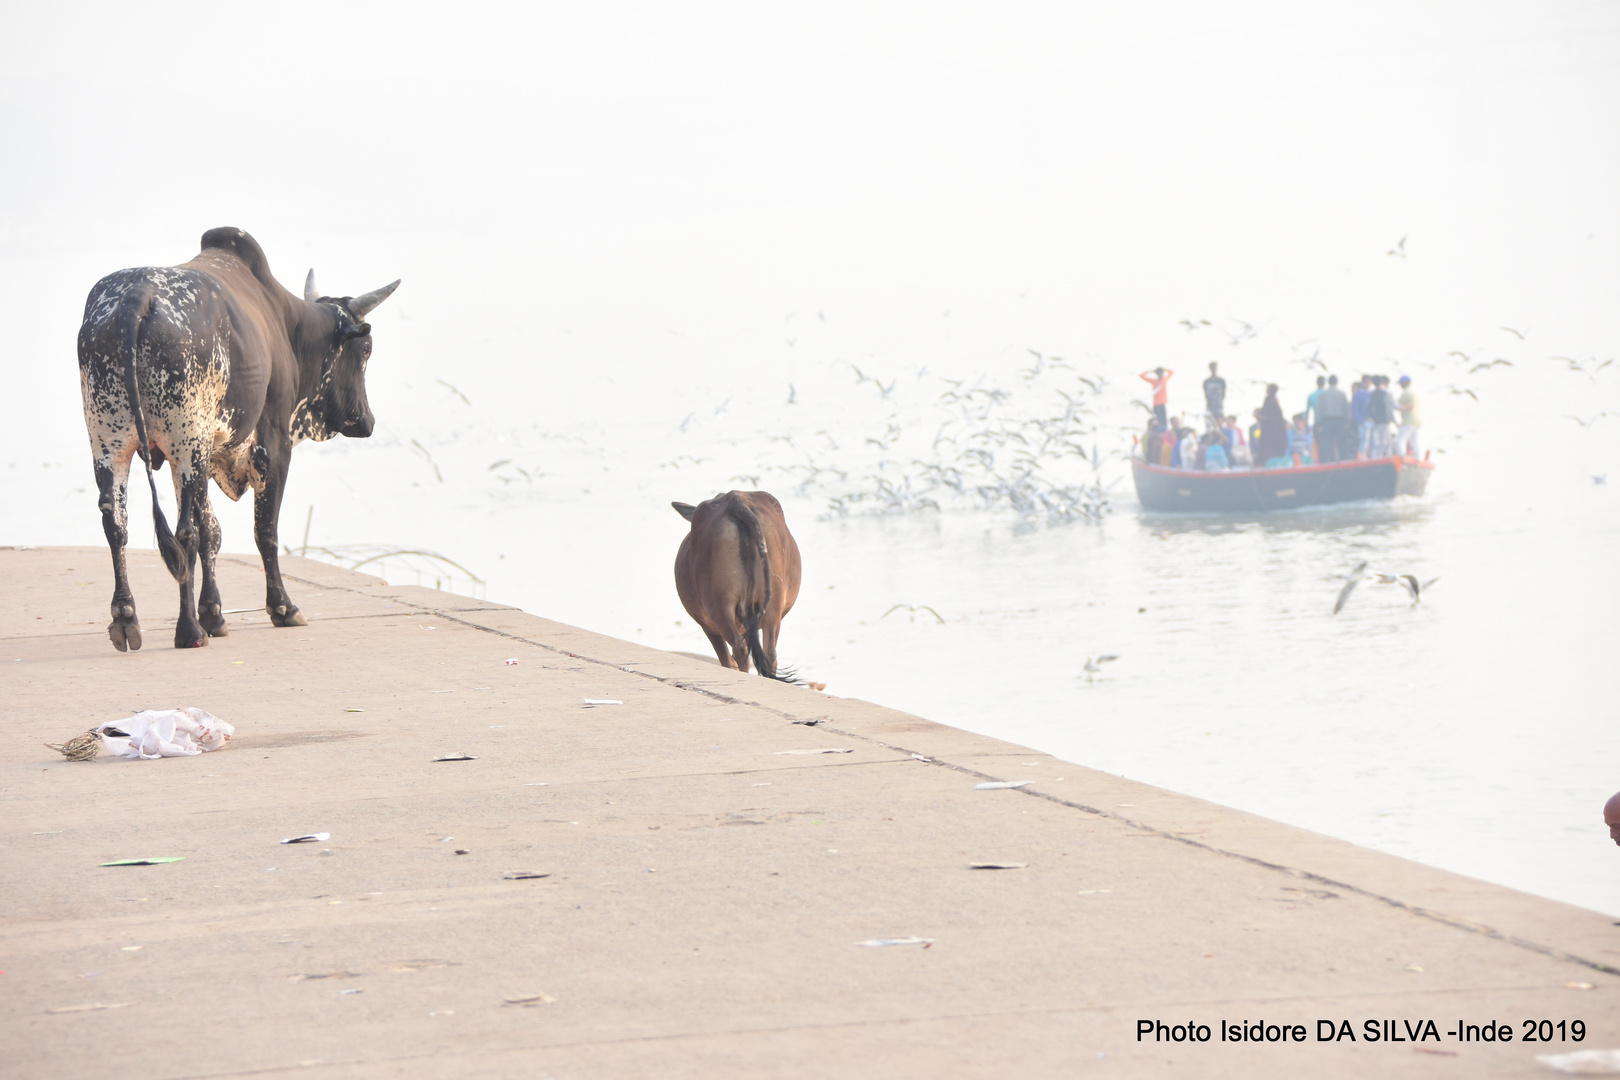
{"points": [[129, 316], [755, 555]]}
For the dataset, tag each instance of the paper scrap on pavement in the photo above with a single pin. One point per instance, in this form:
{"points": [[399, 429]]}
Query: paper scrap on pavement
{"points": [[90, 1008], [603, 701], [1583, 1062], [878, 942], [530, 999], [829, 750], [997, 785]]}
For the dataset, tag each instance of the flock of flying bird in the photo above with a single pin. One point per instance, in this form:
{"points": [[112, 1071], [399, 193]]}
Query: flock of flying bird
{"points": [[1022, 448]]}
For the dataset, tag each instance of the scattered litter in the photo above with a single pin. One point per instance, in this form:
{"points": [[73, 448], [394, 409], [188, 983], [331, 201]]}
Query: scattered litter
{"points": [[461, 851], [308, 838], [925, 942], [997, 785], [443, 1012], [132, 948], [530, 999], [1413, 967], [456, 757], [354, 710], [79, 748], [540, 784], [829, 750], [352, 990], [997, 865], [762, 783], [445, 839], [89, 1008], [523, 875], [427, 627], [145, 862], [603, 701], [812, 722], [1583, 1062], [511, 660], [1578, 986], [164, 733], [919, 757]]}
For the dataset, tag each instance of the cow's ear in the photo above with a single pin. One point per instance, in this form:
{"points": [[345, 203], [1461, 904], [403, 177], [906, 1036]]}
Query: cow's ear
{"points": [[357, 330], [686, 510]]}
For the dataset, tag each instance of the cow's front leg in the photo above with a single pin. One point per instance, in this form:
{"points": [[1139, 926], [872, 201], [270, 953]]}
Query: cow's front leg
{"points": [[112, 482], [188, 631], [210, 612], [272, 466]]}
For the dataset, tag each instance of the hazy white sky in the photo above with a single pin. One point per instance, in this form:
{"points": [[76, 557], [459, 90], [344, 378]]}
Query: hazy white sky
{"points": [[644, 167]]}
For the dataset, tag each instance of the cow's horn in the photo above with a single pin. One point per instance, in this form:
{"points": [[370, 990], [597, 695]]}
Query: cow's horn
{"points": [[362, 305], [311, 293]]}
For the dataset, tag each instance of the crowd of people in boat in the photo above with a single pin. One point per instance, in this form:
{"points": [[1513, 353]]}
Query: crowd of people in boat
{"points": [[1369, 422]]}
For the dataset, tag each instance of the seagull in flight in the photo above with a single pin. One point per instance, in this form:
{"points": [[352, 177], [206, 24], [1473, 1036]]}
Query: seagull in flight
{"points": [[1354, 578], [1093, 666], [1399, 250]]}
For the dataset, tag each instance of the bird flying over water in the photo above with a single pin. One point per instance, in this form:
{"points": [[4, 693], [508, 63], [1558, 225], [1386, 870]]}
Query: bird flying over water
{"points": [[1354, 578], [1410, 583], [1093, 666]]}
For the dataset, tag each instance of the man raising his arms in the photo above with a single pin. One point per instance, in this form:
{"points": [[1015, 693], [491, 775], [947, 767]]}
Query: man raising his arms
{"points": [[1157, 378]]}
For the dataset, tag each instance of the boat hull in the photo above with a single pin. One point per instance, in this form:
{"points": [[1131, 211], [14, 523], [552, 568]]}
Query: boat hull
{"points": [[1251, 490]]}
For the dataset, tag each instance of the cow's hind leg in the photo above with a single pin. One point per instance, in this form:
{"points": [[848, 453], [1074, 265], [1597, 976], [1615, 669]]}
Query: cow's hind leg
{"points": [[721, 648], [209, 610], [739, 649], [112, 482], [189, 489]]}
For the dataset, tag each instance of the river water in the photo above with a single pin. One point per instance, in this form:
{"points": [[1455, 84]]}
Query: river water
{"points": [[870, 334]]}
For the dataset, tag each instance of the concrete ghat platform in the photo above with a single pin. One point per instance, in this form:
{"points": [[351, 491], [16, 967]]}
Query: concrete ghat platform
{"points": [[708, 880]]}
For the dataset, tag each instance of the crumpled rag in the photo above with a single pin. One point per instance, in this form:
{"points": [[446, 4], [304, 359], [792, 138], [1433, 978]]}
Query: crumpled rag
{"points": [[159, 733]]}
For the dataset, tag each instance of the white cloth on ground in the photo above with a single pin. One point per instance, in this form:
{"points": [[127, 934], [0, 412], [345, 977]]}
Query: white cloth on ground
{"points": [[159, 733]]}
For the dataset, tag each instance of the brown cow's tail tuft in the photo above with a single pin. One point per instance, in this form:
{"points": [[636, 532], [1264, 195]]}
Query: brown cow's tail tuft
{"points": [[130, 316], [754, 554]]}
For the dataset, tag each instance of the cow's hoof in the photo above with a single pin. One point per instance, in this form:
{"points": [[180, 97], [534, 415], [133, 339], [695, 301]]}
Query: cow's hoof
{"points": [[214, 622], [189, 637], [287, 615], [125, 636]]}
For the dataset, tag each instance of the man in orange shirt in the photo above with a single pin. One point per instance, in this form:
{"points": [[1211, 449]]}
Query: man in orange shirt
{"points": [[1157, 378]]}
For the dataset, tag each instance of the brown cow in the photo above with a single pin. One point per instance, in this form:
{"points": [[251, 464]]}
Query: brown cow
{"points": [[737, 574]]}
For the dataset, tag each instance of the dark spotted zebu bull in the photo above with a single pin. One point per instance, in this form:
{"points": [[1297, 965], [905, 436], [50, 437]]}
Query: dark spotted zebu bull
{"points": [[215, 368], [737, 574]]}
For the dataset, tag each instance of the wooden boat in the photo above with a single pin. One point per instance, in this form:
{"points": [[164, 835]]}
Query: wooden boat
{"points": [[1244, 490]]}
